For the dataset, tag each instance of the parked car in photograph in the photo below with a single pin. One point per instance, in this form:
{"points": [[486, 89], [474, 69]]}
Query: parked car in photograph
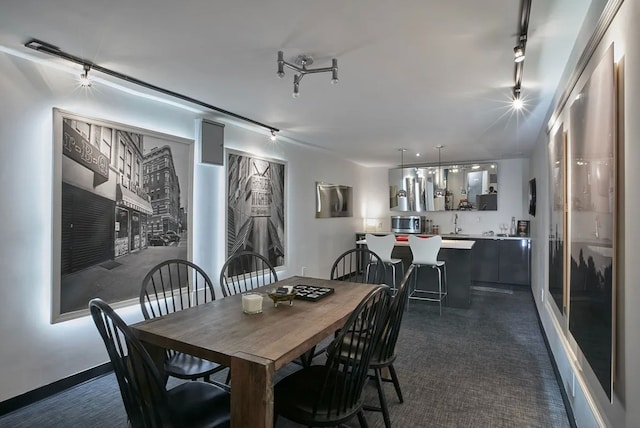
{"points": [[158, 240], [172, 236]]}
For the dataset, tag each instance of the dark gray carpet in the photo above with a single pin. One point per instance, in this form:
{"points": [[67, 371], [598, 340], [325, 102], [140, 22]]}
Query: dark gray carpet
{"points": [[481, 367]]}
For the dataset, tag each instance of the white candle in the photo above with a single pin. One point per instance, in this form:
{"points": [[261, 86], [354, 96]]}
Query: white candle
{"points": [[251, 303]]}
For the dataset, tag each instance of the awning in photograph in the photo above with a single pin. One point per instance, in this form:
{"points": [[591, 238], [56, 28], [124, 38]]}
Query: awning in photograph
{"points": [[127, 198]]}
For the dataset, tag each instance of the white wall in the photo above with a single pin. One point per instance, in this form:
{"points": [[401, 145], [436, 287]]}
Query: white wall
{"points": [[35, 353], [513, 188], [589, 402]]}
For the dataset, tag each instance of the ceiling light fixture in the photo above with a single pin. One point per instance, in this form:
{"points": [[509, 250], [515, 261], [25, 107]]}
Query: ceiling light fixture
{"points": [[300, 65], [50, 49], [273, 135], [519, 52], [85, 82]]}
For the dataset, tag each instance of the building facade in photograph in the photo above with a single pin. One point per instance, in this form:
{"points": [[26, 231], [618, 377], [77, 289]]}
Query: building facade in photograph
{"points": [[104, 206], [162, 185], [132, 201]]}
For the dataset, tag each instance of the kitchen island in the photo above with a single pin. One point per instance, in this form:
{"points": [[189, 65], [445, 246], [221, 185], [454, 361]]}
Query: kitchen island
{"points": [[456, 254]]}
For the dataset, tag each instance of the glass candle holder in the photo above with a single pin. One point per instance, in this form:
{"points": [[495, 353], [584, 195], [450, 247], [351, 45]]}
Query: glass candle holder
{"points": [[252, 303]]}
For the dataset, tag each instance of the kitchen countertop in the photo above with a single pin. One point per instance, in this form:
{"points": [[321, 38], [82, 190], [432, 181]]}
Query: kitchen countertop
{"points": [[450, 236], [456, 244]]}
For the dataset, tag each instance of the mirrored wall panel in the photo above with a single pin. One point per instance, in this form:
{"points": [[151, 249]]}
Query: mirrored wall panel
{"points": [[462, 187]]}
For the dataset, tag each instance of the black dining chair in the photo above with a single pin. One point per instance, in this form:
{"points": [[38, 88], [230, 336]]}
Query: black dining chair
{"points": [[171, 286], [245, 271], [146, 400], [358, 265], [355, 265], [385, 353], [331, 394]]}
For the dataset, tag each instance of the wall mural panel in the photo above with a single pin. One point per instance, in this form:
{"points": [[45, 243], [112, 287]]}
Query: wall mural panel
{"points": [[122, 198], [557, 184], [256, 206], [592, 172]]}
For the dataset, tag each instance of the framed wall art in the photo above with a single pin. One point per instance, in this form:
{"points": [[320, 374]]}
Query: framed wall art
{"points": [[592, 216], [122, 204], [256, 206], [557, 220]]}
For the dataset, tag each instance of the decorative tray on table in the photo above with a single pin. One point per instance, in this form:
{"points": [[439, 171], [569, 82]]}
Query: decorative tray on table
{"points": [[282, 294], [311, 293]]}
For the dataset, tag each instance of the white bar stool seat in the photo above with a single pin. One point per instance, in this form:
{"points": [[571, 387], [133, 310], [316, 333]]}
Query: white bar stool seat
{"points": [[383, 247], [425, 253]]}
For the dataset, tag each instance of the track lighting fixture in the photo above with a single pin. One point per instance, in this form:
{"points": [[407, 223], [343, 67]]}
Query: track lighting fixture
{"points": [[87, 65], [85, 82], [273, 135], [300, 66], [519, 52]]}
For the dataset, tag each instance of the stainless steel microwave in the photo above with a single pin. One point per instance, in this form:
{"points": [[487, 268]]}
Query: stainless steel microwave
{"points": [[407, 223]]}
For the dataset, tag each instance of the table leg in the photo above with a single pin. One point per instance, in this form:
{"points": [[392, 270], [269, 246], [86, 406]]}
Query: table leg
{"points": [[251, 391]]}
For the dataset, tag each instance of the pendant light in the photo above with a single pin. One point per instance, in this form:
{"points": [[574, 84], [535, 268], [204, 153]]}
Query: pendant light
{"points": [[402, 193], [440, 176]]}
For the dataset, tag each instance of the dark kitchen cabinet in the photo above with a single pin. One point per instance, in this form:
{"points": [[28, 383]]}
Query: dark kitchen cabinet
{"points": [[485, 257], [515, 262], [504, 261]]}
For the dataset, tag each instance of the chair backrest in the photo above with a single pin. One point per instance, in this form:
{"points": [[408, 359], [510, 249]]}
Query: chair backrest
{"points": [[143, 392], [381, 245], [425, 250], [358, 265], [174, 285], [389, 335], [349, 354], [245, 271]]}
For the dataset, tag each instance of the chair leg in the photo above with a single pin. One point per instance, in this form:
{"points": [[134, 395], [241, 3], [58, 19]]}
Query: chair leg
{"points": [[396, 382], [440, 290], [393, 278], [362, 420], [383, 399], [446, 284], [307, 358]]}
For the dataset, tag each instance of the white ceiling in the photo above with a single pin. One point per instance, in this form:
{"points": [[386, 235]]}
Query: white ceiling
{"points": [[413, 73]]}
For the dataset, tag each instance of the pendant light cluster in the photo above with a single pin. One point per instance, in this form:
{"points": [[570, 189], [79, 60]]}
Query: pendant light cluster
{"points": [[519, 53]]}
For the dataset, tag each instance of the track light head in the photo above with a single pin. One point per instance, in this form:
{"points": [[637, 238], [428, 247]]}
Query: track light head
{"points": [[280, 72], [518, 53], [85, 82], [273, 135], [296, 85], [517, 100], [334, 71]]}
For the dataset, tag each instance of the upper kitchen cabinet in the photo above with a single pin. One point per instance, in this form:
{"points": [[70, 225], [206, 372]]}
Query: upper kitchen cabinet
{"points": [[462, 187]]}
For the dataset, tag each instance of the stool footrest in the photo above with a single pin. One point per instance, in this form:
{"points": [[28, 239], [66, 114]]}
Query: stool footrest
{"points": [[425, 295]]}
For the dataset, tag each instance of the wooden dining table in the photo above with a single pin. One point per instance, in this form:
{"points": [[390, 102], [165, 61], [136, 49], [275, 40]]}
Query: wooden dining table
{"points": [[253, 346]]}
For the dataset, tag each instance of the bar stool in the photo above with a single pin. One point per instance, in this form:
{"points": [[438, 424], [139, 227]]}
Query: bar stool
{"points": [[425, 253], [383, 246]]}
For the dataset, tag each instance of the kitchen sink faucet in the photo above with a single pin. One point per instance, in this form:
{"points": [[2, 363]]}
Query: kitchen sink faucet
{"points": [[456, 229]]}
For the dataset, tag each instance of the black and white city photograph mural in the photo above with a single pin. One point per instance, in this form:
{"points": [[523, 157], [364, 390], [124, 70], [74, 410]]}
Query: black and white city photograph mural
{"points": [[121, 206], [592, 215], [256, 206]]}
